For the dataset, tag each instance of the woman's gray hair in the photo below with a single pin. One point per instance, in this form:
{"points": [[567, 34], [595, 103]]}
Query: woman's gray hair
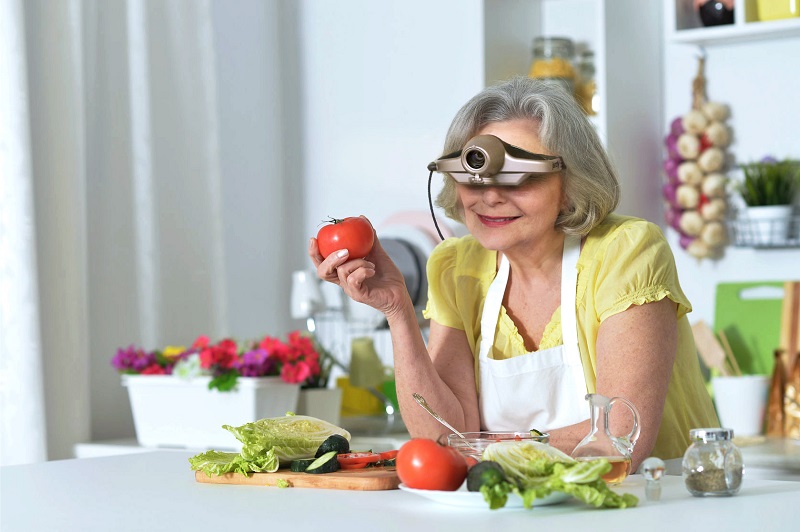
{"points": [[590, 182]]}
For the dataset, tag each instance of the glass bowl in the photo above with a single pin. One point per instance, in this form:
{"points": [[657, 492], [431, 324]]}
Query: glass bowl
{"points": [[473, 443]]}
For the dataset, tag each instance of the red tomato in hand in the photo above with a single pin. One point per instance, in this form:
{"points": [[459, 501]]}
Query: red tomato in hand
{"points": [[426, 465], [354, 234]]}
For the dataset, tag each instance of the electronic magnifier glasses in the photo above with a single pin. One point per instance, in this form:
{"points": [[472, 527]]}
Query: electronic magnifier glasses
{"points": [[487, 160]]}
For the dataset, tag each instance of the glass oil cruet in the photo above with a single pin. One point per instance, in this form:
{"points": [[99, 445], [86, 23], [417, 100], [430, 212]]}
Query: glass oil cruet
{"points": [[600, 443]]}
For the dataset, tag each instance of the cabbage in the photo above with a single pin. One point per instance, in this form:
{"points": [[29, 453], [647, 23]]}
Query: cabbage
{"points": [[267, 443], [526, 462], [289, 437], [534, 470]]}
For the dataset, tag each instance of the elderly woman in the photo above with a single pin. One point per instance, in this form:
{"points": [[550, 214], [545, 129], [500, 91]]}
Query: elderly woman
{"points": [[550, 296]]}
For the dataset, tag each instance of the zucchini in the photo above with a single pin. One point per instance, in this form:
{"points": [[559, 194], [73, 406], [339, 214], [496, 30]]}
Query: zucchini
{"points": [[327, 463], [301, 464], [334, 442]]}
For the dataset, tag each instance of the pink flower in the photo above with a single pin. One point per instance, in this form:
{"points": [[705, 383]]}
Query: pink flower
{"points": [[154, 369], [201, 341], [275, 349], [295, 374], [222, 355]]}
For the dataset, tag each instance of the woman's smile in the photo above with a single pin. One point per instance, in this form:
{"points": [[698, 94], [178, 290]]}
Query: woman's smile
{"points": [[497, 221]]}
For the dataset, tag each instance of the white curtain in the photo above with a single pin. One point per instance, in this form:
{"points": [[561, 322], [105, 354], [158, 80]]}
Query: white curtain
{"points": [[117, 226], [22, 422]]}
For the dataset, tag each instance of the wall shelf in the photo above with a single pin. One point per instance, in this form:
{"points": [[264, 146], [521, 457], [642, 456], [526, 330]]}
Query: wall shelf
{"points": [[684, 25], [735, 33]]}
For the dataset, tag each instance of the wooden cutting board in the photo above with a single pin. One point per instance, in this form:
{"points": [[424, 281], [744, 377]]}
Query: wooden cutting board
{"points": [[368, 479]]}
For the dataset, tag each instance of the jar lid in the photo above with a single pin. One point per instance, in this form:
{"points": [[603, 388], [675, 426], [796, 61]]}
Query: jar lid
{"points": [[553, 46], [707, 435]]}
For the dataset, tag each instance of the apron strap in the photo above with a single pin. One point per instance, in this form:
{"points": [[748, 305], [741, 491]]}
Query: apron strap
{"points": [[569, 288], [491, 307]]}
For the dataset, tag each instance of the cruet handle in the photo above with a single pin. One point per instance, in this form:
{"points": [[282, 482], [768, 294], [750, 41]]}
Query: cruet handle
{"points": [[634, 434]]}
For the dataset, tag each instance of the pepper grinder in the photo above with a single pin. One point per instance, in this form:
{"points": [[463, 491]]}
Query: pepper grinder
{"points": [[652, 469]]}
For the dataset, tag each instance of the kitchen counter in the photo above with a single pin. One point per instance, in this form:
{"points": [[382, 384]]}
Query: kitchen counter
{"points": [[156, 491], [764, 458], [771, 458]]}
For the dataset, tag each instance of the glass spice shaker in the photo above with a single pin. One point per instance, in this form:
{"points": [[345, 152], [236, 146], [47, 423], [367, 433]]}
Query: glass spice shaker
{"points": [[552, 59], [712, 465]]}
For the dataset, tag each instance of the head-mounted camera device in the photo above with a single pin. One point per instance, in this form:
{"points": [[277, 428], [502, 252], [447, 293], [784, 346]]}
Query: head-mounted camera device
{"points": [[487, 160]]}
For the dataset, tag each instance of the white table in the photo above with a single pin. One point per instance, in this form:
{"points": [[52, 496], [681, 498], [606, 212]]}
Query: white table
{"points": [[156, 491], [764, 458]]}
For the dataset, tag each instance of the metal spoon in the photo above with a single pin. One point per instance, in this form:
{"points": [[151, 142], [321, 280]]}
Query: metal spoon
{"points": [[424, 404]]}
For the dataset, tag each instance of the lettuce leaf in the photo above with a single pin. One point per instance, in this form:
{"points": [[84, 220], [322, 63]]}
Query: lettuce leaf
{"points": [[535, 470], [215, 463]]}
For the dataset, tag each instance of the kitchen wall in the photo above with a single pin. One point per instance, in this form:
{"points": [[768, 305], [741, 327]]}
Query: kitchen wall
{"points": [[758, 79], [364, 91], [380, 82], [382, 91]]}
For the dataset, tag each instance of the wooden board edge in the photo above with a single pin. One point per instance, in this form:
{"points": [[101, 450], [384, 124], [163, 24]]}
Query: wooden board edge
{"points": [[295, 480]]}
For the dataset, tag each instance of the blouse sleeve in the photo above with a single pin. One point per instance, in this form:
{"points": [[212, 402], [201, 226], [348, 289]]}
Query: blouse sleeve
{"points": [[637, 268], [441, 306]]}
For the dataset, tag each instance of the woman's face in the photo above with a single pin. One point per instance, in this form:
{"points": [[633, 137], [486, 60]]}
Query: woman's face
{"points": [[503, 218]]}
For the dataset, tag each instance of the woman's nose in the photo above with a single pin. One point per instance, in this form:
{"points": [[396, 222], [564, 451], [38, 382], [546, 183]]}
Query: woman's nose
{"points": [[492, 195]]}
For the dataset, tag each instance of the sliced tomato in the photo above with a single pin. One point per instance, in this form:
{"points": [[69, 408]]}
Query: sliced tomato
{"points": [[388, 455], [357, 460]]}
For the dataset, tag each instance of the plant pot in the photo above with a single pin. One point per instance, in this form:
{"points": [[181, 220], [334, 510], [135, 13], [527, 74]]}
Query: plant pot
{"points": [[170, 411], [770, 224], [321, 403], [741, 402]]}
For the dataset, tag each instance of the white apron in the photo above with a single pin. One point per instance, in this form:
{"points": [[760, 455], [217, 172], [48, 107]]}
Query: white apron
{"points": [[543, 389]]}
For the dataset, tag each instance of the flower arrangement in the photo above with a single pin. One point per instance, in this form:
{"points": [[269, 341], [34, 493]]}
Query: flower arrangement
{"points": [[299, 360]]}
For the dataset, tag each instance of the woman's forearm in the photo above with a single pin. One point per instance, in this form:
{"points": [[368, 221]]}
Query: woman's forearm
{"points": [[415, 372]]}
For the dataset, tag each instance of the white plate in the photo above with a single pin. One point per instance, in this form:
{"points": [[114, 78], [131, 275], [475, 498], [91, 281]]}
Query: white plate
{"points": [[474, 499]]}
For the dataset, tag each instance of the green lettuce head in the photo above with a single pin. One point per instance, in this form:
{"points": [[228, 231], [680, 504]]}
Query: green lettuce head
{"points": [[290, 437]]}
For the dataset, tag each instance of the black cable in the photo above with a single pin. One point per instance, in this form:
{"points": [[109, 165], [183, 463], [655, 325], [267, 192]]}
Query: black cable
{"points": [[430, 204]]}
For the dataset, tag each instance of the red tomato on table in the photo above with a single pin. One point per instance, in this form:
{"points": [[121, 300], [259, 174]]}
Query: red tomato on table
{"points": [[424, 464], [354, 234]]}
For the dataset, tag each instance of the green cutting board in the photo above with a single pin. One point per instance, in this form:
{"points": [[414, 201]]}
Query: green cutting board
{"points": [[750, 315]]}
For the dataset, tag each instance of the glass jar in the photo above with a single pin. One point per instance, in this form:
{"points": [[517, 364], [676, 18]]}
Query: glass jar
{"points": [[712, 465], [586, 87], [552, 59]]}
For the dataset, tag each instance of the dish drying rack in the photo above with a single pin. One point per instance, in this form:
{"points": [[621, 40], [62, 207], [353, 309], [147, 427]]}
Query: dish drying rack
{"points": [[335, 331]]}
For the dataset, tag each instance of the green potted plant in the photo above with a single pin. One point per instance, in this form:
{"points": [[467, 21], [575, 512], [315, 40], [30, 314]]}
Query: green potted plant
{"points": [[768, 189]]}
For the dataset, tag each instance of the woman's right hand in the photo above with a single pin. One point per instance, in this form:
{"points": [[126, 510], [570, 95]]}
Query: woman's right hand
{"points": [[374, 280]]}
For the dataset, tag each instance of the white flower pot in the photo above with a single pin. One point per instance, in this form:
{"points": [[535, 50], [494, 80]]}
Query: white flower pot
{"points": [[322, 403], [169, 411], [770, 223]]}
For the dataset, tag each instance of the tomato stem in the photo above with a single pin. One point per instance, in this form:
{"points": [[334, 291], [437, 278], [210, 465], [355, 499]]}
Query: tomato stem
{"points": [[332, 220]]}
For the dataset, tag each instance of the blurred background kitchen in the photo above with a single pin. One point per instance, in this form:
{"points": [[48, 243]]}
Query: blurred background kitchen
{"points": [[163, 163]]}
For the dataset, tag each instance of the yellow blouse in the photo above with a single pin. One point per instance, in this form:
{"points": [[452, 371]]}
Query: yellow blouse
{"points": [[624, 261]]}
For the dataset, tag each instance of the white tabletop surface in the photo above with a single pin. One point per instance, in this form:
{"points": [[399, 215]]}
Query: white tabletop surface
{"points": [[157, 491]]}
